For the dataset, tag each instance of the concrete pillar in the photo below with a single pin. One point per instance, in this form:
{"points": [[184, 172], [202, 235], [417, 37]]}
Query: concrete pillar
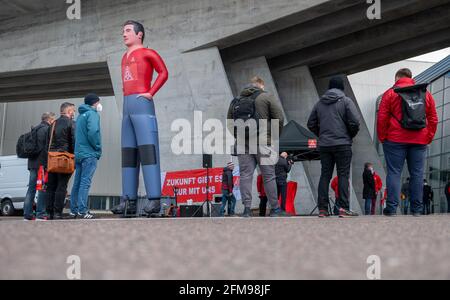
{"points": [[298, 95]]}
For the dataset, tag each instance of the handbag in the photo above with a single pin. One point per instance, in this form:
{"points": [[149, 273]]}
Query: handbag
{"points": [[59, 162]]}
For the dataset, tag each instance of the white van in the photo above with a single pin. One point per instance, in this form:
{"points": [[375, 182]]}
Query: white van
{"points": [[14, 178]]}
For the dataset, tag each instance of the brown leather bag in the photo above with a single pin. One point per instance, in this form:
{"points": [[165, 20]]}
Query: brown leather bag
{"points": [[59, 162]]}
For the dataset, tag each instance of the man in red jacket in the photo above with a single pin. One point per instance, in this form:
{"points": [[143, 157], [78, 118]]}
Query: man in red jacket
{"points": [[403, 141]]}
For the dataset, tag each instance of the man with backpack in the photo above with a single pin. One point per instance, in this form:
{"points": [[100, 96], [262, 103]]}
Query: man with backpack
{"points": [[407, 123], [335, 120], [33, 146], [255, 147]]}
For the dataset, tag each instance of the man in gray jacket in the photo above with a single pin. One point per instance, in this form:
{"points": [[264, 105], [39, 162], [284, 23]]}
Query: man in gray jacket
{"points": [[335, 120], [267, 109]]}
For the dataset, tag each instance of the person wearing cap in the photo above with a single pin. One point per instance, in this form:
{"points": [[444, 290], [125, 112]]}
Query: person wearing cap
{"points": [[335, 120], [88, 150], [227, 190]]}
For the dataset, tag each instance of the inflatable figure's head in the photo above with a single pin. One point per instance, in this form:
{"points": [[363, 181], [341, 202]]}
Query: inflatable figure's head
{"points": [[133, 33]]}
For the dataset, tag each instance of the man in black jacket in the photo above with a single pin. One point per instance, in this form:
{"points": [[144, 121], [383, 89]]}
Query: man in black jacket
{"points": [[369, 191], [335, 120], [282, 168], [427, 197], [63, 141], [33, 166]]}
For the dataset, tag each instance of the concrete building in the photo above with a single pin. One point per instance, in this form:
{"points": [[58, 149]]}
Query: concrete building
{"points": [[211, 48]]}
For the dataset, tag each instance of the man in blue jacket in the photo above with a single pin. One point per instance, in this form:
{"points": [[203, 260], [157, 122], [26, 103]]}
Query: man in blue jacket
{"points": [[88, 150]]}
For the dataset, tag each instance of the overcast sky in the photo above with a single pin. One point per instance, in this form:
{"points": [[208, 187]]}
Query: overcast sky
{"points": [[434, 56]]}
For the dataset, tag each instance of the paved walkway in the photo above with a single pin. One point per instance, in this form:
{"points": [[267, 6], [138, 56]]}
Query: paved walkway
{"points": [[231, 248]]}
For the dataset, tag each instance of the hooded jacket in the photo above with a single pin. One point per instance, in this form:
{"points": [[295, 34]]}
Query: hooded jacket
{"points": [[334, 119], [388, 126], [88, 136]]}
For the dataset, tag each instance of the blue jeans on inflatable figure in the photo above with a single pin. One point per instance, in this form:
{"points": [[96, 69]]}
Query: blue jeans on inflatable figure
{"points": [[140, 146]]}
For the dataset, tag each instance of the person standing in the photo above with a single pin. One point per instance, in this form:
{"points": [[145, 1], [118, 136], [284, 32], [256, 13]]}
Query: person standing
{"points": [[378, 188], [34, 165], [252, 151], [369, 193], [63, 140], [407, 124], [88, 150], [405, 197], [228, 198], [282, 169], [427, 197], [335, 120]]}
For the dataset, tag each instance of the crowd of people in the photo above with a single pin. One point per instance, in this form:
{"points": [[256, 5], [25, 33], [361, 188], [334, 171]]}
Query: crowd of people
{"points": [[407, 124], [334, 119], [82, 139]]}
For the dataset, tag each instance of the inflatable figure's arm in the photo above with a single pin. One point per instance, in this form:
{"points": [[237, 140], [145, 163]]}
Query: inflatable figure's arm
{"points": [[161, 69]]}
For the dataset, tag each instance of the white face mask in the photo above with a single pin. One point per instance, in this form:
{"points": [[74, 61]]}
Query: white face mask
{"points": [[99, 107]]}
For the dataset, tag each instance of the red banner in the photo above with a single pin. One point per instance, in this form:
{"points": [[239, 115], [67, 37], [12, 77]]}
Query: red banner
{"points": [[191, 184]]}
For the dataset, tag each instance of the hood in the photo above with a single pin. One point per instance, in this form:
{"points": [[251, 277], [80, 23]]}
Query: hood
{"points": [[332, 96], [250, 90], [85, 108]]}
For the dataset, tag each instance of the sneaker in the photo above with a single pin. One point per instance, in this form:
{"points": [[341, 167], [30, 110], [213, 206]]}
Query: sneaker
{"points": [[58, 216], [278, 213], [26, 218], [247, 212], [153, 207], [417, 215], [86, 216], [388, 214], [42, 219], [324, 214], [73, 216], [118, 209], [343, 213]]}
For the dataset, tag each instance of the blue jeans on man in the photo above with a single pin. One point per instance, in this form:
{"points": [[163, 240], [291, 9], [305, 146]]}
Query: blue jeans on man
{"points": [[368, 206], [84, 172], [396, 154], [29, 198], [230, 200]]}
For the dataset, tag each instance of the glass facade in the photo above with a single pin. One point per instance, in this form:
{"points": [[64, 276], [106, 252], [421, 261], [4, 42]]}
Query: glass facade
{"points": [[438, 155], [437, 169]]}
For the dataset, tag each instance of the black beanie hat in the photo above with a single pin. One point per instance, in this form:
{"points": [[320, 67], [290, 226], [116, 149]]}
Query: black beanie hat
{"points": [[91, 99], [336, 83]]}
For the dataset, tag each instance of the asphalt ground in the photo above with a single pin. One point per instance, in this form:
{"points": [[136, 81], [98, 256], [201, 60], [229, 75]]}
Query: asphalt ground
{"points": [[404, 247]]}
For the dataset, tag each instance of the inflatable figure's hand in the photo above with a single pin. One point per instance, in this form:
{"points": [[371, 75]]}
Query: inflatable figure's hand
{"points": [[148, 96]]}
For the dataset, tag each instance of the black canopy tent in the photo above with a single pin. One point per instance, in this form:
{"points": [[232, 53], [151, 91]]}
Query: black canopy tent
{"points": [[299, 142]]}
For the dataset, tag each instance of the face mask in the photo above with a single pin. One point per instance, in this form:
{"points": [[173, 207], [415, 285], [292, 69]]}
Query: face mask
{"points": [[99, 108]]}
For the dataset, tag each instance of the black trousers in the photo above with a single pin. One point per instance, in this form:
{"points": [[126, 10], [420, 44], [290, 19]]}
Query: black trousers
{"points": [[341, 157], [282, 191], [427, 207], [263, 206], [56, 192]]}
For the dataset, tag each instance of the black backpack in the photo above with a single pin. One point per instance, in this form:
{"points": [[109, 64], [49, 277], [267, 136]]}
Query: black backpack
{"points": [[27, 145], [413, 106], [244, 108]]}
